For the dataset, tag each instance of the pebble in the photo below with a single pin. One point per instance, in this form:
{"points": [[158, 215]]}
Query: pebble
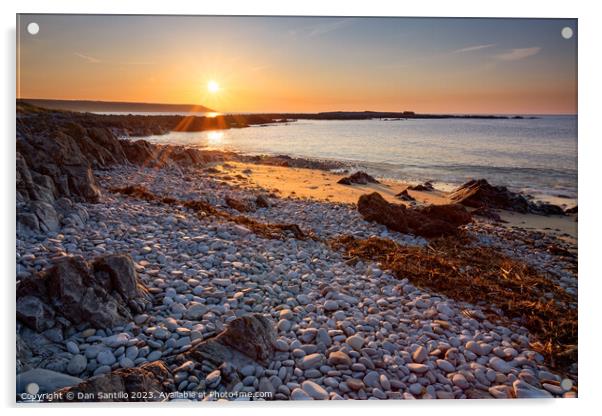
{"points": [[106, 357], [213, 378], [420, 355], [446, 366], [154, 356], [499, 365], [72, 347], [523, 390], [460, 381], [418, 368], [298, 394], [126, 362], [354, 384], [77, 364], [356, 342], [311, 361], [331, 305], [314, 390], [339, 358]]}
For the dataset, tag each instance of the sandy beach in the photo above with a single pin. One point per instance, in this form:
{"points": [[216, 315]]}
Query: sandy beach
{"points": [[322, 185]]}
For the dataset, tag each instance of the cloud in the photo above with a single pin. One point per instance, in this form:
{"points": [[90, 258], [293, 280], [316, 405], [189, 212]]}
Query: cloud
{"points": [[518, 53], [474, 48], [324, 28], [87, 58]]}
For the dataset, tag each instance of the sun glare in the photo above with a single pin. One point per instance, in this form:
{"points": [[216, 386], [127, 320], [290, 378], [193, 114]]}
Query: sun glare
{"points": [[213, 87], [215, 137]]}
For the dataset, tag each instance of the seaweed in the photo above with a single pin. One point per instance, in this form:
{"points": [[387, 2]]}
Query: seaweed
{"points": [[267, 230], [454, 267]]}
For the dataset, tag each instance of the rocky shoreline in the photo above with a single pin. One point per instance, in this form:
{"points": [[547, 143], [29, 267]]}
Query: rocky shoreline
{"points": [[201, 303]]}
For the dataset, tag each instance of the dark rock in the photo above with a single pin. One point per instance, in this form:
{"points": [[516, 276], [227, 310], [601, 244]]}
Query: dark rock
{"points": [[246, 340], [58, 156], [426, 187], [47, 217], [543, 208], [429, 221], [149, 382], [103, 294], [360, 178], [140, 152], [480, 194], [27, 222], [487, 213], [405, 196], [35, 313], [262, 201], [182, 156], [572, 210]]}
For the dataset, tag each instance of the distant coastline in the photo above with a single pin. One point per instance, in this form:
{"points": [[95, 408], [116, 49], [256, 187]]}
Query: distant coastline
{"points": [[125, 107], [108, 106]]}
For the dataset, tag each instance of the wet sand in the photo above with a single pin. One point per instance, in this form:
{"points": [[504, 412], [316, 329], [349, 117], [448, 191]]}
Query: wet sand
{"points": [[322, 186]]}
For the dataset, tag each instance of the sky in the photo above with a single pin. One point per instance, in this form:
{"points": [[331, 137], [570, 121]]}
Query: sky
{"points": [[303, 64]]}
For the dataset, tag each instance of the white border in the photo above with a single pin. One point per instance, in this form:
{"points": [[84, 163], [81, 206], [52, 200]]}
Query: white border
{"points": [[590, 68]]}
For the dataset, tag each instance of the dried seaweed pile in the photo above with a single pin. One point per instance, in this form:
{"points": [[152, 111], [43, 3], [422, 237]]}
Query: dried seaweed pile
{"points": [[483, 276], [273, 231]]}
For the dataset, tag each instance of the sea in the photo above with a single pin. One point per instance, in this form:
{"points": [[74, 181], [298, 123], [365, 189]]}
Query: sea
{"points": [[534, 155]]}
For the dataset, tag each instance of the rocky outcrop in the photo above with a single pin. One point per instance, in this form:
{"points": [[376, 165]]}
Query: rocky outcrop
{"points": [[481, 194], [426, 187], [103, 293], [149, 382], [56, 155], [246, 340], [429, 221], [405, 196], [360, 178]]}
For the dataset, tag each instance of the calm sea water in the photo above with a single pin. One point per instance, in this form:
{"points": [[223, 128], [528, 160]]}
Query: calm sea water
{"points": [[536, 156]]}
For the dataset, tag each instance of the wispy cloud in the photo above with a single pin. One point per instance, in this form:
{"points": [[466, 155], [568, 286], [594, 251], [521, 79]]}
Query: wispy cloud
{"points": [[474, 48], [517, 54], [324, 28], [87, 58], [320, 29]]}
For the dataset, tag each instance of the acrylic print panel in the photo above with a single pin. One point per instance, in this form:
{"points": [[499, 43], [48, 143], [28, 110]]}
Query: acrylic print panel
{"points": [[295, 208]]}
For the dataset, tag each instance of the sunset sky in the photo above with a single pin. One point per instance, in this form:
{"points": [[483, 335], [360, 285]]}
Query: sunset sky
{"points": [[280, 64]]}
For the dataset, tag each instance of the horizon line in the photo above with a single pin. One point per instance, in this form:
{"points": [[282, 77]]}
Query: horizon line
{"points": [[298, 112]]}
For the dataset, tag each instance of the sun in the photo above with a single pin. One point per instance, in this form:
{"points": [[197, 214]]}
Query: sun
{"points": [[213, 87]]}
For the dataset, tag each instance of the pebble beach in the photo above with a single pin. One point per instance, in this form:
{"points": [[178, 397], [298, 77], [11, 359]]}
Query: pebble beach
{"points": [[344, 331]]}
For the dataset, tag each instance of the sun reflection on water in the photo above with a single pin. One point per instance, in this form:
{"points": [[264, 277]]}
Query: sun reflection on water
{"points": [[215, 138]]}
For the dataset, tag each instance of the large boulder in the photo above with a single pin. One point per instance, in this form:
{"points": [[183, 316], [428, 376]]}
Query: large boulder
{"points": [[149, 382], [103, 293], [480, 194], [360, 178], [430, 221], [246, 340]]}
